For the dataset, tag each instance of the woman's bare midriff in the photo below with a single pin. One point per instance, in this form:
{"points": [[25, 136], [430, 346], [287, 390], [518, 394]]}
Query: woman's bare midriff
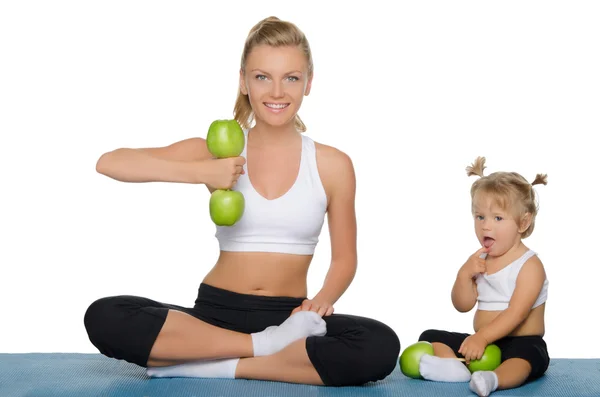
{"points": [[532, 325], [261, 273]]}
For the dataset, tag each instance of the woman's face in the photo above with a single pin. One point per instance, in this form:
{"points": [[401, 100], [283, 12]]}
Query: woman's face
{"points": [[275, 80]]}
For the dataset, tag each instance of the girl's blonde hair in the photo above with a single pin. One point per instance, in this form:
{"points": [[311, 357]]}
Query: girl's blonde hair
{"points": [[277, 33], [512, 192]]}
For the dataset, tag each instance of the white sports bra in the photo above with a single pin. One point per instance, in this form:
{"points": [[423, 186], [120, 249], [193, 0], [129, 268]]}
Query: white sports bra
{"points": [[290, 223]]}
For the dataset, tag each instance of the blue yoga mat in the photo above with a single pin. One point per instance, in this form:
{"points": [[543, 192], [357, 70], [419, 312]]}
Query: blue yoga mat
{"points": [[93, 375]]}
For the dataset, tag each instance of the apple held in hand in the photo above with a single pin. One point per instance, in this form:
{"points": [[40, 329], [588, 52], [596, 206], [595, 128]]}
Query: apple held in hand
{"points": [[225, 138], [226, 207], [411, 357], [492, 356]]}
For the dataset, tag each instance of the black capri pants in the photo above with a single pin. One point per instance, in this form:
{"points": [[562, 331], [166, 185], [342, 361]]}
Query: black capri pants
{"points": [[355, 350], [532, 348]]}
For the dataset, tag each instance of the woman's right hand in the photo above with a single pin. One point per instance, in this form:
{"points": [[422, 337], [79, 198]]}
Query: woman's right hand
{"points": [[475, 264], [222, 173]]}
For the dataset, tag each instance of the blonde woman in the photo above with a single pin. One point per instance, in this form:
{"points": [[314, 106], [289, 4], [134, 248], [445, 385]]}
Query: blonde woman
{"points": [[252, 318]]}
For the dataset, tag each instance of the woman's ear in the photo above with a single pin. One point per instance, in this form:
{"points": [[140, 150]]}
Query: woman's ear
{"points": [[243, 88], [308, 85]]}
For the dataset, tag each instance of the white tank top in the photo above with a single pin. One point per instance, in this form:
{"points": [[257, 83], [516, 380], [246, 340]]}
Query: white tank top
{"points": [[495, 290], [290, 223]]}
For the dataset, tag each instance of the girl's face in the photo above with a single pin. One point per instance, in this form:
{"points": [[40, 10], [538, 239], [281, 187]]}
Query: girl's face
{"points": [[276, 80], [495, 227]]}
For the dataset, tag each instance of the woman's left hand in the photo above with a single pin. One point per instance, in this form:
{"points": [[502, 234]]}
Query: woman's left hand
{"points": [[322, 308]]}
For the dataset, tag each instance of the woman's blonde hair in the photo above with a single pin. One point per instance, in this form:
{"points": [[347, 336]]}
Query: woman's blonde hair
{"points": [[277, 33], [511, 191]]}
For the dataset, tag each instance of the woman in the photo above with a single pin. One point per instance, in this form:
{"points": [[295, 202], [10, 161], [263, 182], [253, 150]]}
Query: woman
{"points": [[252, 318]]}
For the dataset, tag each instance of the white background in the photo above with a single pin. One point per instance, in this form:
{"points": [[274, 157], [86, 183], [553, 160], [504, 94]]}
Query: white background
{"points": [[412, 93]]}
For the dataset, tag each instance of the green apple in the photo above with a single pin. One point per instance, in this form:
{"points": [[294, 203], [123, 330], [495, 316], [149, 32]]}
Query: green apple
{"points": [[225, 138], [411, 357], [492, 356], [226, 207]]}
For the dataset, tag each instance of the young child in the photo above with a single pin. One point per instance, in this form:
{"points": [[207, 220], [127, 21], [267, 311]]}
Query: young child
{"points": [[508, 282]]}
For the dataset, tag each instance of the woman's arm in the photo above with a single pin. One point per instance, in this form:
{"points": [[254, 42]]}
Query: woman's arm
{"points": [[339, 179], [186, 161]]}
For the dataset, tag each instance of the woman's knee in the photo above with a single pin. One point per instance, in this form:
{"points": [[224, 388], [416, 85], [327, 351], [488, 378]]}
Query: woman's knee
{"points": [[100, 317], [369, 352], [384, 347], [125, 327], [107, 319]]}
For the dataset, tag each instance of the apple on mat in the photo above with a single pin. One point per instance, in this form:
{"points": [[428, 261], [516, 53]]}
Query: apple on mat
{"points": [[411, 357]]}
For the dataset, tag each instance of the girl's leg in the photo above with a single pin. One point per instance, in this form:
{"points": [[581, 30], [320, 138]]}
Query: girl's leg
{"points": [[510, 374], [442, 350], [445, 344], [443, 366], [524, 359]]}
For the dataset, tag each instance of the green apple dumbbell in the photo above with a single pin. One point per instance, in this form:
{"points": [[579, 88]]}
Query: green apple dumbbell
{"points": [[225, 138]]}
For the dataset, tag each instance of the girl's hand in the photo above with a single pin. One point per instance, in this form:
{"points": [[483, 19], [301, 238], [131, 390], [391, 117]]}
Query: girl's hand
{"points": [[475, 265], [473, 347]]}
